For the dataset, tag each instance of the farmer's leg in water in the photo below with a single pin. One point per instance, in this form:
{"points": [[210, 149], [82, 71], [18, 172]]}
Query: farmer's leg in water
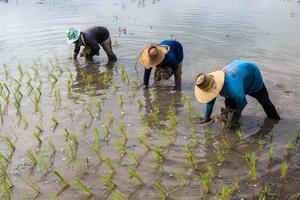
{"points": [[106, 45], [231, 104], [262, 97]]}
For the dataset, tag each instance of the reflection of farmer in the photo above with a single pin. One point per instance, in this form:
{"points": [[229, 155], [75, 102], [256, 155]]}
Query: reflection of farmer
{"points": [[90, 39], [167, 57], [234, 82]]}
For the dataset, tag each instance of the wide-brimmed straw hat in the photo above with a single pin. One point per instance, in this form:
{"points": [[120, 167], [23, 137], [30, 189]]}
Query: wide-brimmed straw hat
{"points": [[208, 86], [72, 34], [152, 55]]}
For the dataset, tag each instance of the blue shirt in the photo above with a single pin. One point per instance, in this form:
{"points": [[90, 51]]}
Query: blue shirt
{"points": [[241, 78], [173, 57]]}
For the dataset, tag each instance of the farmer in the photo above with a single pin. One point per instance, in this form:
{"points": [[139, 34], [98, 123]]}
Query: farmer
{"points": [[90, 39], [234, 82], [166, 57]]}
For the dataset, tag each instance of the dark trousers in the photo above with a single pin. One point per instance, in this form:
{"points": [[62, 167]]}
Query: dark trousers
{"points": [[262, 97]]}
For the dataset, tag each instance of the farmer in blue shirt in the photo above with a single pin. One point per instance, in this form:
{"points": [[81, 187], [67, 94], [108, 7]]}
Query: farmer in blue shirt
{"points": [[166, 57], [234, 82]]}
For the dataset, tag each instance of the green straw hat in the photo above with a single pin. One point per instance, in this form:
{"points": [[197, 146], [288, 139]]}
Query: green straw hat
{"points": [[72, 34]]}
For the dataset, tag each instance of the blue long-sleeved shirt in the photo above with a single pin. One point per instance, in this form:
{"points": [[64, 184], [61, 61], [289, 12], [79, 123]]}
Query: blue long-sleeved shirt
{"points": [[173, 57], [241, 78]]}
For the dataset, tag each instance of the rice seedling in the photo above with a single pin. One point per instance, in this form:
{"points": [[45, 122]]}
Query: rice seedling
{"points": [[110, 166], [284, 168], [140, 103], [122, 129], [240, 134], [67, 133], [121, 147], [33, 186], [106, 129], [172, 116], [71, 152], [134, 157], [209, 134], [21, 72], [51, 146], [117, 195], [55, 122], [83, 187], [89, 111], [271, 152], [8, 141], [32, 157], [291, 146], [228, 191], [134, 173], [251, 164], [6, 159], [29, 86], [43, 165], [5, 178], [296, 137], [121, 101], [142, 139], [226, 144], [266, 193], [82, 168], [261, 144], [57, 103], [125, 76], [168, 137], [96, 149], [195, 137], [155, 115], [6, 72], [205, 181], [109, 119], [109, 185], [191, 159], [161, 189], [73, 139], [1, 113], [5, 190], [38, 138], [159, 158], [61, 178], [97, 139], [52, 78], [219, 156], [40, 128], [180, 177]]}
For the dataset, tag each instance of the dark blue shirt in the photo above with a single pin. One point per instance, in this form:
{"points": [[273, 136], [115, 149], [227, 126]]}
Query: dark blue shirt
{"points": [[241, 78], [173, 57]]}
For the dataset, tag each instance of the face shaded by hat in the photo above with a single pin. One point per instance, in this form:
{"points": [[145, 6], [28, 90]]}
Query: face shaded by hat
{"points": [[72, 34], [208, 86], [152, 55]]}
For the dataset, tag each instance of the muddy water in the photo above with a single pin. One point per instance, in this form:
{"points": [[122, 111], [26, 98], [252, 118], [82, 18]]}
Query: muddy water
{"points": [[213, 33]]}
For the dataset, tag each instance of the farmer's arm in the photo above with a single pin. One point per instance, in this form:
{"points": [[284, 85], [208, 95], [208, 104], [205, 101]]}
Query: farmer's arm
{"points": [[76, 50], [241, 101], [208, 110], [147, 74]]}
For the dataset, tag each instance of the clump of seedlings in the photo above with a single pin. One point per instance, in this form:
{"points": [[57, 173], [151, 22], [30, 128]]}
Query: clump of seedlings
{"points": [[124, 73], [61, 178], [117, 195], [32, 158], [142, 139], [121, 146], [83, 187], [134, 173], [228, 191], [271, 152], [284, 168], [122, 129], [190, 156], [219, 155], [172, 117], [251, 164], [159, 158], [205, 180], [161, 189], [140, 103], [134, 157], [109, 185], [109, 164], [180, 177], [33, 186]]}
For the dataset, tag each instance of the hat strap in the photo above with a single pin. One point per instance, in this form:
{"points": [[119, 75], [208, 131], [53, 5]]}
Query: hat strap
{"points": [[211, 81]]}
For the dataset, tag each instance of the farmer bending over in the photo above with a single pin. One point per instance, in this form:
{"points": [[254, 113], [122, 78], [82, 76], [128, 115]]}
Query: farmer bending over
{"points": [[234, 82], [166, 57], [90, 39]]}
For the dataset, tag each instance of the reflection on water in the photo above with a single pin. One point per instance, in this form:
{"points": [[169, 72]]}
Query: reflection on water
{"points": [[92, 77]]}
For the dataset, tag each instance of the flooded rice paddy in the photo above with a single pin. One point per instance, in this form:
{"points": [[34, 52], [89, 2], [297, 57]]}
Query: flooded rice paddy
{"points": [[91, 131]]}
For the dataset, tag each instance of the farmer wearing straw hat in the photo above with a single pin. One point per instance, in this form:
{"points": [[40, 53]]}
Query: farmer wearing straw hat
{"points": [[90, 39], [166, 57], [234, 82]]}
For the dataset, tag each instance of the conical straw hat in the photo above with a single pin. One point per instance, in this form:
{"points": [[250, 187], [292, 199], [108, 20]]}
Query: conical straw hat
{"points": [[152, 55], [207, 87]]}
